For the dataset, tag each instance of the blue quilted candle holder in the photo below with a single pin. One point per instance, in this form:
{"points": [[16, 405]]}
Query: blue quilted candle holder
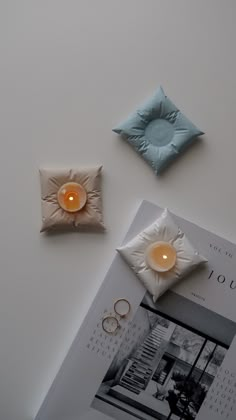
{"points": [[158, 131]]}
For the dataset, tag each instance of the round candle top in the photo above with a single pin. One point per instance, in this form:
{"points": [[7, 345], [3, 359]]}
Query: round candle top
{"points": [[161, 256], [72, 197]]}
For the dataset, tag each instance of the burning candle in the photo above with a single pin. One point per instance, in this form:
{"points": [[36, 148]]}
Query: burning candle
{"points": [[161, 256], [72, 197]]}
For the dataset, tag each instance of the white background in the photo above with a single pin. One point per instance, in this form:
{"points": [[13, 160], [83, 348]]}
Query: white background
{"points": [[69, 71]]}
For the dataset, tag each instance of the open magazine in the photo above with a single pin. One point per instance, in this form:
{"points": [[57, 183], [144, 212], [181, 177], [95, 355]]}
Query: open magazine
{"points": [[173, 359]]}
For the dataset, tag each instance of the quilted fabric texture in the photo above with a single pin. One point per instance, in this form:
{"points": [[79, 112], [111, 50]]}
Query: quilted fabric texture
{"points": [[90, 217], [158, 131], [163, 229]]}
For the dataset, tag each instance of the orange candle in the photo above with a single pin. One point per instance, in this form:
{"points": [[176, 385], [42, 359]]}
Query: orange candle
{"points": [[72, 197], [161, 256]]}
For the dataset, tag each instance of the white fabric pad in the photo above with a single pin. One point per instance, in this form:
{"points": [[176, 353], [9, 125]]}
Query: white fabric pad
{"points": [[163, 229]]}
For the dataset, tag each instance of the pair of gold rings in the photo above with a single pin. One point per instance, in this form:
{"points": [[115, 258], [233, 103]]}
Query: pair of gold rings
{"points": [[111, 322]]}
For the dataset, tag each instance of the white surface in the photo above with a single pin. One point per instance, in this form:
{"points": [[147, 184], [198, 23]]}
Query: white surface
{"points": [[70, 70]]}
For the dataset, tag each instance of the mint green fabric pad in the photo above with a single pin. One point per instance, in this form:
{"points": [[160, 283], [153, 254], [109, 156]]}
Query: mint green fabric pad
{"points": [[158, 131]]}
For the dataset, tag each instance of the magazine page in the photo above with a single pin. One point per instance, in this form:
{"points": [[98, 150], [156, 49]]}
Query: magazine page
{"points": [[164, 358]]}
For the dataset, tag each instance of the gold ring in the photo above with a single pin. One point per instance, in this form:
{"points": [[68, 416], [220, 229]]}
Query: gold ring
{"points": [[124, 313], [110, 324]]}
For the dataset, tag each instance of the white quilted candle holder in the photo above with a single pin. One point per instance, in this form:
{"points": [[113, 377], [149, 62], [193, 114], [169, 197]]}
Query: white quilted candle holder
{"points": [[176, 253]]}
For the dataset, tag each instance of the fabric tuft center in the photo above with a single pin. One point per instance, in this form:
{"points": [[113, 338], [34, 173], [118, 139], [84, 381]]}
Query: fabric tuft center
{"points": [[159, 132]]}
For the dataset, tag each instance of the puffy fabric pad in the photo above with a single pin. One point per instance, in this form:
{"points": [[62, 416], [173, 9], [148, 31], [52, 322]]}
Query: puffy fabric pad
{"points": [[163, 229], [158, 131], [54, 217]]}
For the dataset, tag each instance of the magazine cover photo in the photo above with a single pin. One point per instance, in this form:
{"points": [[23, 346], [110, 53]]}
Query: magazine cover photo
{"points": [[165, 365]]}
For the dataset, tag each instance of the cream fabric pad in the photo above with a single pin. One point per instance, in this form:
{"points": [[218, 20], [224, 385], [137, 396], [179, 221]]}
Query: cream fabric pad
{"points": [[54, 217]]}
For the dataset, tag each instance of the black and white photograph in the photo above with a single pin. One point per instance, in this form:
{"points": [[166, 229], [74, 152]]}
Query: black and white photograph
{"points": [[163, 369]]}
